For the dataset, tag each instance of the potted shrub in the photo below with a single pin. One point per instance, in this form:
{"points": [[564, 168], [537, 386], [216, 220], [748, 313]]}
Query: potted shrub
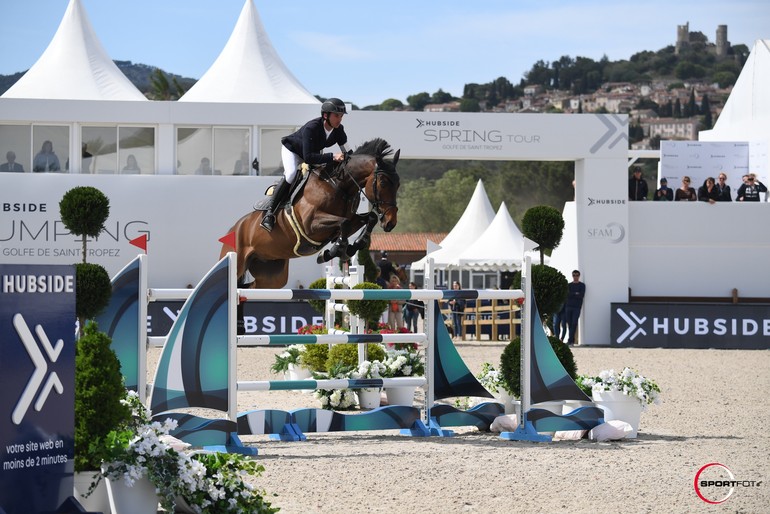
{"points": [[510, 363], [368, 310], [290, 362], [98, 379]]}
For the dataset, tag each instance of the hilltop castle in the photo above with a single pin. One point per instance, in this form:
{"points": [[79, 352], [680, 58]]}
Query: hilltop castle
{"points": [[684, 38]]}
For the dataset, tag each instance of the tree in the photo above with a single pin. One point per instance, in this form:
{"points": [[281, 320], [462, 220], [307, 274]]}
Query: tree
{"points": [[419, 101], [544, 225], [705, 109], [391, 104], [440, 97], [469, 105], [677, 109]]}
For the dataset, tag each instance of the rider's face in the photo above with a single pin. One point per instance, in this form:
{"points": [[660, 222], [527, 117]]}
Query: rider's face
{"points": [[334, 119]]}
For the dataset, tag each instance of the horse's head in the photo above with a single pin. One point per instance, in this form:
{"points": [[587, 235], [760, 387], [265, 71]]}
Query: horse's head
{"points": [[382, 189]]}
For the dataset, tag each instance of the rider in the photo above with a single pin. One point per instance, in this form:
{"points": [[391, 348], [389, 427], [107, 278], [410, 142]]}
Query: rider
{"points": [[306, 145]]}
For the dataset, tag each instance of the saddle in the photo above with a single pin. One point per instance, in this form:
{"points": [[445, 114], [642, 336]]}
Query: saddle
{"points": [[296, 190]]}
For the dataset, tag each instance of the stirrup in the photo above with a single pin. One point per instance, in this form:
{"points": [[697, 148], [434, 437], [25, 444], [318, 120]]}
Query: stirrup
{"points": [[268, 221]]}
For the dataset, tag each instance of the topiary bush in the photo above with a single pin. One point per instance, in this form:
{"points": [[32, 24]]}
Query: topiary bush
{"points": [[347, 355], [545, 226], [98, 393], [94, 290], [550, 287], [83, 212], [510, 362], [368, 310]]}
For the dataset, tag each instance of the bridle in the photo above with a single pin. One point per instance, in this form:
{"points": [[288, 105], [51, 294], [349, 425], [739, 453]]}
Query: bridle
{"points": [[379, 206]]}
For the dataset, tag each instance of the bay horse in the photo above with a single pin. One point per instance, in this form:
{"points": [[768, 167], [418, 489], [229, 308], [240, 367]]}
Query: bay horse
{"points": [[324, 210]]}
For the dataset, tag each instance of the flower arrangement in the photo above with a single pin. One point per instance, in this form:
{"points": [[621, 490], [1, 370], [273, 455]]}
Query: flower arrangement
{"points": [[373, 369], [206, 482], [292, 355], [403, 363], [628, 381], [491, 379], [312, 329], [336, 399]]}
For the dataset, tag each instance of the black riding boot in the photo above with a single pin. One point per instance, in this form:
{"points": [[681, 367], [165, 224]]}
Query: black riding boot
{"points": [[279, 195]]}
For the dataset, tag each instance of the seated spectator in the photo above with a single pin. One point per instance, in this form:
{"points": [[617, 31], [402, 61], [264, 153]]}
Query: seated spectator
{"points": [[664, 193], [723, 189], [11, 165], [46, 159], [205, 167], [708, 191], [131, 165], [749, 191], [685, 193]]}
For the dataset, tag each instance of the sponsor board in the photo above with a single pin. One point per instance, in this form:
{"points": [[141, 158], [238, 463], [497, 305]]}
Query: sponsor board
{"points": [[259, 318], [682, 325], [37, 377]]}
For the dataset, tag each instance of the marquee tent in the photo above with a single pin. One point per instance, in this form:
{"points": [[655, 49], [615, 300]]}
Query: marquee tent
{"points": [[499, 248], [249, 70], [474, 221], [75, 66], [746, 115]]}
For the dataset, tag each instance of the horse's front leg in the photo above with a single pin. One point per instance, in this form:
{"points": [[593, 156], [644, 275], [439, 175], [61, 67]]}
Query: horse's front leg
{"points": [[362, 241], [340, 245]]}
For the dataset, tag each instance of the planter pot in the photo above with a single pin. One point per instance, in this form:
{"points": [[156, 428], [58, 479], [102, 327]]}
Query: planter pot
{"points": [[139, 499], [571, 405], [98, 501], [298, 373], [182, 507], [617, 405], [368, 398], [507, 399], [400, 395]]}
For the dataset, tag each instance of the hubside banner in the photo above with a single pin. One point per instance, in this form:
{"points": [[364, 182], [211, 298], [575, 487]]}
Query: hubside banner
{"points": [[681, 325], [37, 376]]}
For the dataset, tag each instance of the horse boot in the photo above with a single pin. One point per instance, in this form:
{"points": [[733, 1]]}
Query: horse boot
{"points": [[279, 195]]}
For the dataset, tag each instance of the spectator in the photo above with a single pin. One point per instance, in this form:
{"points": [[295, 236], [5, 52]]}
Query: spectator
{"points": [[395, 316], [749, 191], [457, 307], [685, 192], [637, 186], [131, 165], [11, 165], [414, 309], [576, 293], [708, 191], [46, 159], [560, 323], [723, 189], [664, 193], [386, 267]]}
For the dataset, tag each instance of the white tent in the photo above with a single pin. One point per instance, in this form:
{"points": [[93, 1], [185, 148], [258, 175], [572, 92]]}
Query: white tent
{"points": [[474, 221], [249, 70], [746, 115], [499, 248], [75, 66]]}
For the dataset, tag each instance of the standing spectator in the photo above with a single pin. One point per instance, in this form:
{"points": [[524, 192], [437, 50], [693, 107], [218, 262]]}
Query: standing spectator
{"points": [[395, 316], [685, 193], [749, 191], [414, 310], [560, 323], [723, 190], [664, 193], [708, 191], [576, 293], [637, 186], [457, 306], [11, 165]]}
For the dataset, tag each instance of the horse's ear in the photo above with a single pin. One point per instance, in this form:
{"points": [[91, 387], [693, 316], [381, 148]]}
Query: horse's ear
{"points": [[395, 157]]}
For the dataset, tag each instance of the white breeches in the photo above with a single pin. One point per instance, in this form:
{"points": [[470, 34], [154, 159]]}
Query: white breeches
{"points": [[291, 162]]}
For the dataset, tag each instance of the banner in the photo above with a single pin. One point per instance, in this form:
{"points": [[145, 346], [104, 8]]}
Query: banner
{"points": [[37, 377], [676, 325]]}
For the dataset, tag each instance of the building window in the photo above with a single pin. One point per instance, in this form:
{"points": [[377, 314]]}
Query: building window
{"points": [[213, 151], [15, 148], [50, 145], [115, 149], [270, 149]]}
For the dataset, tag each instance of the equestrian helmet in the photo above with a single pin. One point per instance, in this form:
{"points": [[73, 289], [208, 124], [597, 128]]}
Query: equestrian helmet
{"points": [[334, 105]]}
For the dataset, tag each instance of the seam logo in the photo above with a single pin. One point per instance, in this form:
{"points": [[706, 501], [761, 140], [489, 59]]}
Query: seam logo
{"points": [[41, 369], [634, 326]]}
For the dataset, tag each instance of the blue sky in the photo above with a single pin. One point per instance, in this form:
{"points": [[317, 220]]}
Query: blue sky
{"points": [[366, 52]]}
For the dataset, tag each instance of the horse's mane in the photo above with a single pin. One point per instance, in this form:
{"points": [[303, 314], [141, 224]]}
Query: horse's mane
{"points": [[380, 149]]}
